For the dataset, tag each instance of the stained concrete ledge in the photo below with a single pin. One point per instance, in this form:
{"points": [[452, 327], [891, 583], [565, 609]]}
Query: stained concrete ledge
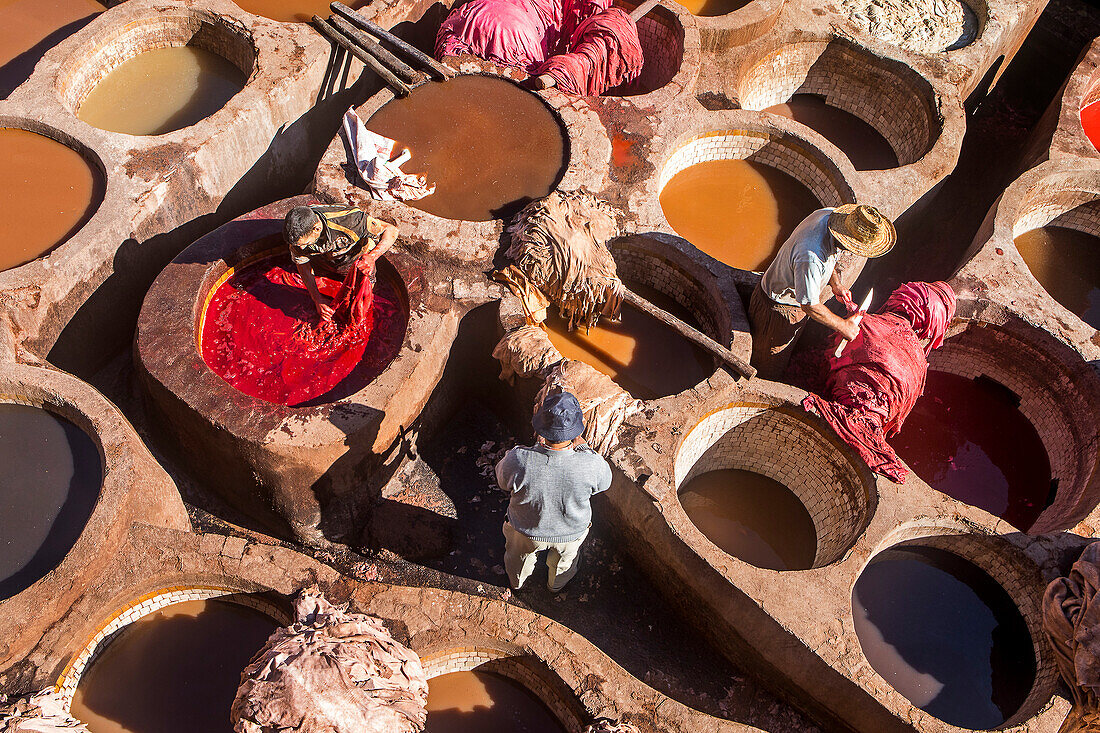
{"points": [[135, 489], [306, 469], [163, 190], [450, 629], [1060, 134]]}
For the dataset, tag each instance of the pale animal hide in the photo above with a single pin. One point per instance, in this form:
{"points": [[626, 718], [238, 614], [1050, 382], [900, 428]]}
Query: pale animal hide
{"points": [[43, 712]]}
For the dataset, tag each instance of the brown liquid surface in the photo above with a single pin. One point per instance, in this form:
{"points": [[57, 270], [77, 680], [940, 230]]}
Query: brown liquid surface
{"points": [[488, 145], [47, 192], [945, 635], [713, 7], [174, 671], [292, 11], [737, 211], [482, 702], [50, 476], [644, 356], [863, 144], [29, 28], [1066, 263], [162, 90], [751, 517]]}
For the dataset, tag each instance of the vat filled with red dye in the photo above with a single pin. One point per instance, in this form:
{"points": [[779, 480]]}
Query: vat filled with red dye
{"points": [[969, 439], [260, 333]]}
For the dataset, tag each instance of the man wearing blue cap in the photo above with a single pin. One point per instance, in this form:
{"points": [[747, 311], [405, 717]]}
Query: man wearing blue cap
{"points": [[552, 484]]}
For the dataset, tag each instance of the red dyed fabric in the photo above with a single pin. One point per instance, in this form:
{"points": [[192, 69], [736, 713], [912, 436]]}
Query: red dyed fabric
{"points": [[873, 385], [261, 333], [520, 33], [604, 52]]}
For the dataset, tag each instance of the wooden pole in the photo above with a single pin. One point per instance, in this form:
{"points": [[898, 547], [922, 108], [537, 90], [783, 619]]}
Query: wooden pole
{"points": [[374, 49], [399, 87], [441, 71], [725, 355]]}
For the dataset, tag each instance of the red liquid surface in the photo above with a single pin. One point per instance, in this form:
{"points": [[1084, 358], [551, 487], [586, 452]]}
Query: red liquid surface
{"points": [[252, 337], [1090, 120], [969, 441]]}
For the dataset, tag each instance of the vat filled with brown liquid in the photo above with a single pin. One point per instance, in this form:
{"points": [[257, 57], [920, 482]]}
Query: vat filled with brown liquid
{"points": [[47, 192], [292, 11], [487, 144], [644, 356], [712, 7], [945, 635], [174, 671], [162, 90], [1066, 263], [29, 28], [968, 439], [737, 211], [479, 702], [752, 517], [863, 144], [50, 477]]}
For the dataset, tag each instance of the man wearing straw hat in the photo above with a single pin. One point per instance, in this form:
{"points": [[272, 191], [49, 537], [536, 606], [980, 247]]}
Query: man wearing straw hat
{"points": [[793, 284]]}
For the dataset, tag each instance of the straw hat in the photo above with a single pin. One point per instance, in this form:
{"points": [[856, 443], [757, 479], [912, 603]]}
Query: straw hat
{"points": [[861, 229]]}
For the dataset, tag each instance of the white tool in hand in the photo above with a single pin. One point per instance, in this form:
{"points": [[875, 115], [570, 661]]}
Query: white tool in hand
{"points": [[862, 309]]}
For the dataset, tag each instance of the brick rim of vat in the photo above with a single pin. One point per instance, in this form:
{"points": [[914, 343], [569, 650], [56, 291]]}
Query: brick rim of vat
{"points": [[119, 450], [112, 626], [1012, 570], [682, 83], [507, 660], [712, 428], [182, 23], [586, 166], [684, 261], [923, 94]]}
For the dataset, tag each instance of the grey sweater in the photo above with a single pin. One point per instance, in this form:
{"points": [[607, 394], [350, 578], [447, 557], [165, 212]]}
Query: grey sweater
{"points": [[551, 490]]}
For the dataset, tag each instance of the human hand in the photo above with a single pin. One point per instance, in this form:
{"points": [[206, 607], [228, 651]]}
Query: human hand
{"points": [[849, 328], [842, 294], [326, 312]]}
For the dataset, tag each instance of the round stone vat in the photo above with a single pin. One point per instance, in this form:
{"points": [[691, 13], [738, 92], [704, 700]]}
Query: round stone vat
{"points": [[51, 186], [488, 145], [767, 178], [170, 660], [31, 28], [643, 356], [719, 470], [489, 686], [922, 26], [306, 470], [663, 32], [292, 11], [158, 74], [953, 623], [823, 84], [1035, 384]]}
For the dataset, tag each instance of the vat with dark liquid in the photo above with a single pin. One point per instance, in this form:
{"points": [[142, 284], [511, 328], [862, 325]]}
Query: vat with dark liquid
{"points": [[479, 702], [175, 670], [752, 517], [48, 191], [968, 439], [644, 356], [488, 145], [50, 477], [945, 635], [292, 11], [737, 211], [863, 144], [29, 28], [1066, 262], [162, 90]]}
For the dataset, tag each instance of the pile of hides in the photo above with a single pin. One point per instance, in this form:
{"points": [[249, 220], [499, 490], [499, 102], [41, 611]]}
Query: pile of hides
{"points": [[1071, 620], [925, 26], [331, 672], [872, 387], [524, 352], [559, 253], [605, 404], [606, 725], [527, 34], [43, 712], [372, 155]]}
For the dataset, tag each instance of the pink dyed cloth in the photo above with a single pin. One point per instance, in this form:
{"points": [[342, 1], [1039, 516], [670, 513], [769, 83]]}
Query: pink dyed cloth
{"points": [[600, 44], [873, 385], [604, 52]]}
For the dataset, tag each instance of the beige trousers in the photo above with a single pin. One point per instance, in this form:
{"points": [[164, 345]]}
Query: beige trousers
{"points": [[520, 555]]}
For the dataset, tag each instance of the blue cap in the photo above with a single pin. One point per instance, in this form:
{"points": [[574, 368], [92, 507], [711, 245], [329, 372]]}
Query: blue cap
{"points": [[559, 419]]}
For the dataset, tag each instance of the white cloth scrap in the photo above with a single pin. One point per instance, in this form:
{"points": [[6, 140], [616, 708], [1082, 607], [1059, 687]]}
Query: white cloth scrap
{"points": [[380, 171]]}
